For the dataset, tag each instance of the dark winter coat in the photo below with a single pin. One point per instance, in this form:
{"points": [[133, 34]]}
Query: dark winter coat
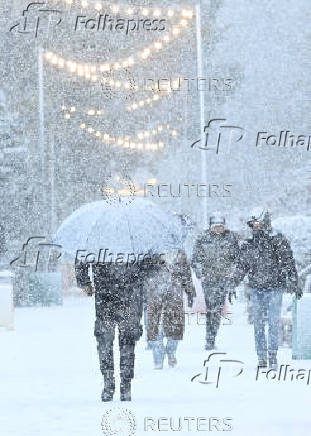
{"points": [[268, 262], [214, 257], [164, 288], [118, 295]]}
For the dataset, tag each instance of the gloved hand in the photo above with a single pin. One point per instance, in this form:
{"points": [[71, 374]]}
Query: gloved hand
{"points": [[231, 294], [298, 293], [88, 290], [190, 300]]}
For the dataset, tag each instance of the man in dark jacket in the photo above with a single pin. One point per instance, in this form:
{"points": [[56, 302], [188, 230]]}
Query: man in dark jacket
{"points": [[214, 256], [267, 260], [118, 302]]}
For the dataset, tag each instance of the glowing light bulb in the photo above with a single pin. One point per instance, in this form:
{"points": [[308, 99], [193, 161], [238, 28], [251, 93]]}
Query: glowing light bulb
{"points": [[174, 133], [157, 12], [117, 66], [99, 112], [130, 11], [145, 12], [135, 106], [82, 126], [98, 6], [115, 8], [140, 135], [84, 3], [141, 103], [158, 45], [176, 31], [154, 132], [63, 108], [72, 109], [170, 13], [155, 97], [90, 130], [54, 59], [131, 60], [161, 144], [118, 84], [94, 78], [184, 23], [98, 134], [67, 116], [61, 63], [148, 100], [48, 55], [106, 137], [104, 67]]}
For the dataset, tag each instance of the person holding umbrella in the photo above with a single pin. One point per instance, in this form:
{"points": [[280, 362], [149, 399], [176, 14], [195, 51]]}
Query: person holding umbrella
{"points": [[118, 302], [129, 230]]}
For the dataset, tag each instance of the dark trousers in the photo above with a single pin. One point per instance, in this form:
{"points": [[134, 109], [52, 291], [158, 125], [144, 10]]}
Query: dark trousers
{"points": [[127, 319], [215, 298]]}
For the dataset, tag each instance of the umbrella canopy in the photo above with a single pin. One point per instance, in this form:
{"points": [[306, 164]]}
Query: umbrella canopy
{"points": [[138, 227]]}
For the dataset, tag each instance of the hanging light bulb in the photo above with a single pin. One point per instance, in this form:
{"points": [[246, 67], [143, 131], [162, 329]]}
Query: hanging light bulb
{"points": [[157, 12], [98, 6], [145, 12], [84, 3], [63, 107], [67, 116], [48, 55], [158, 45], [115, 8], [82, 126], [72, 109]]}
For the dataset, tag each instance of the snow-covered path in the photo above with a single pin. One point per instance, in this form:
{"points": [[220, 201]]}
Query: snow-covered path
{"points": [[50, 381]]}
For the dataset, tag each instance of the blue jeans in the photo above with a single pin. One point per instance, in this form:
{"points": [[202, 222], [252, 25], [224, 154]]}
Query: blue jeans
{"points": [[159, 349], [266, 304]]}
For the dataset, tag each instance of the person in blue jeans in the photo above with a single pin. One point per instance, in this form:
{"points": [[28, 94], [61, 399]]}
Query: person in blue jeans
{"points": [[267, 260], [164, 287]]}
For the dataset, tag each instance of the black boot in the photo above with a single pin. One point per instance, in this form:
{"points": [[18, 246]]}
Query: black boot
{"points": [[109, 386], [125, 389]]}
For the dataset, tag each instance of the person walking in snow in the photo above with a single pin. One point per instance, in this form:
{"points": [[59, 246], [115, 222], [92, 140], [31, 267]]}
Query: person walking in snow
{"points": [[118, 302], [165, 285], [267, 260], [214, 256]]}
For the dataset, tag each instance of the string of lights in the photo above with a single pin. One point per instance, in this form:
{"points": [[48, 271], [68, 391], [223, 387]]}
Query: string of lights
{"points": [[90, 71]]}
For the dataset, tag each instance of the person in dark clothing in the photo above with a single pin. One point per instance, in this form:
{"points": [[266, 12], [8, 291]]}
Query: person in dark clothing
{"points": [[118, 302], [214, 255], [267, 260]]}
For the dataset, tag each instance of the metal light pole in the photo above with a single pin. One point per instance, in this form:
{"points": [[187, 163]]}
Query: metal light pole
{"points": [[41, 114], [202, 109]]}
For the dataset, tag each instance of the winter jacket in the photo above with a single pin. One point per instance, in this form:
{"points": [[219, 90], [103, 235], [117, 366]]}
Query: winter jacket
{"points": [[164, 289], [268, 262], [214, 257], [115, 284]]}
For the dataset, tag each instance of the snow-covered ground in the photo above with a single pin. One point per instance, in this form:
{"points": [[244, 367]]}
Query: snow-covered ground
{"points": [[51, 384]]}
